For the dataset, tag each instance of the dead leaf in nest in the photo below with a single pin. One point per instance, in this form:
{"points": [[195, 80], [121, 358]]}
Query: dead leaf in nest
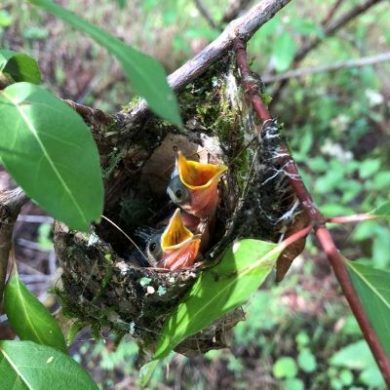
{"points": [[294, 250]]}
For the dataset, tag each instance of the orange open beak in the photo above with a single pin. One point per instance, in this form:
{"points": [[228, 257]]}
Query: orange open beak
{"points": [[180, 247], [202, 182]]}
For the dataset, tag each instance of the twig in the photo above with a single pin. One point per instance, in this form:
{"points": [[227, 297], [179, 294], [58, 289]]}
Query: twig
{"points": [[331, 13], [318, 222], [351, 218], [35, 218], [205, 13], [92, 116], [243, 27], [330, 29], [11, 201], [303, 72], [233, 10]]}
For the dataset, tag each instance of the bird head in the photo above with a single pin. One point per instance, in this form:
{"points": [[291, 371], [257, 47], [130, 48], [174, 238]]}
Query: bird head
{"points": [[176, 248], [194, 186]]}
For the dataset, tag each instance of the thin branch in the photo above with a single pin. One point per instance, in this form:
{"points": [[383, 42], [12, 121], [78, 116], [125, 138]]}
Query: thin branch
{"points": [[339, 268], [317, 221], [11, 201], [205, 13], [328, 17], [351, 218], [329, 30], [92, 116], [243, 27], [233, 10], [303, 72]]}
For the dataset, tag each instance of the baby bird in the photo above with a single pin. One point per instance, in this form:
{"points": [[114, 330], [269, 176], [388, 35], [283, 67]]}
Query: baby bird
{"points": [[194, 186], [174, 249]]}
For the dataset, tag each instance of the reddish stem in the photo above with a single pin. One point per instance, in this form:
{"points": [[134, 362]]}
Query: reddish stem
{"points": [[317, 219], [339, 268], [247, 81], [297, 235]]}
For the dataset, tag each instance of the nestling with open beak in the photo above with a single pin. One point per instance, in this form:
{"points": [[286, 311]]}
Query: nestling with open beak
{"points": [[194, 186], [174, 249]]}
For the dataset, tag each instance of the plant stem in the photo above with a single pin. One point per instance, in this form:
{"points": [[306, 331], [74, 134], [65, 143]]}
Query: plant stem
{"points": [[243, 27], [316, 218], [303, 72]]}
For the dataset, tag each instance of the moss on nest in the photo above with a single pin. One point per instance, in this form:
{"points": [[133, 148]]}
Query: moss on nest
{"points": [[103, 289]]}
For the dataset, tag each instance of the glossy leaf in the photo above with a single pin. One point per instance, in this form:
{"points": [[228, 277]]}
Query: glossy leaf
{"points": [[146, 74], [51, 154], [29, 318], [19, 66], [372, 286], [218, 290], [26, 365], [243, 268]]}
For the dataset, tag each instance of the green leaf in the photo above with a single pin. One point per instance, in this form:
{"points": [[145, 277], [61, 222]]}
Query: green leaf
{"points": [[51, 154], [293, 384], [285, 367], [5, 18], [372, 377], [306, 27], [355, 356], [44, 240], [29, 318], [346, 377], [383, 210], [218, 290], [147, 75], [19, 66], [381, 181], [368, 167], [283, 52], [146, 372], [372, 286], [307, 361], [26, 365], [36, 33]]}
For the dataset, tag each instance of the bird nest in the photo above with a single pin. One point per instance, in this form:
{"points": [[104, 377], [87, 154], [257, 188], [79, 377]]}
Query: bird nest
{"points": [[100, 286]]}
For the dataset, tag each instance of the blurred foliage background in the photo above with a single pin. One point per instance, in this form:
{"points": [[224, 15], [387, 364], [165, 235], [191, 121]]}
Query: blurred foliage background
{"points": [[299, 334]]}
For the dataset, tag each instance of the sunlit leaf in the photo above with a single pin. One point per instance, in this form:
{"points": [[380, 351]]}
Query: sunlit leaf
{"points": [[372, 286], [29, 318], [51, 154], [218, 290], [5, 18], [285, 367], [355, 356], [147, 75], [19, 66], [25, 365]]}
